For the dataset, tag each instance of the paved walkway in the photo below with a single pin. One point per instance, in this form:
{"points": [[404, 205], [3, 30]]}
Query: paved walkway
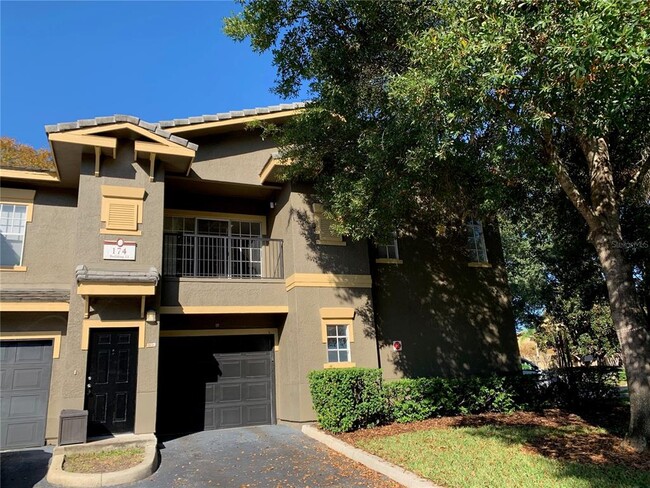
{"points": [[265, 457]]}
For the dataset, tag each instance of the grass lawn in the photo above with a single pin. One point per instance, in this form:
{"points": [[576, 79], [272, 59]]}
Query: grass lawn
{"points": [[519, 450], [103, 461]]}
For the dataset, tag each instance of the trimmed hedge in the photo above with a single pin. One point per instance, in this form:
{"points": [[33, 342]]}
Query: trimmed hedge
{"points": [[347, 399], [354, 398], [422, 398]]}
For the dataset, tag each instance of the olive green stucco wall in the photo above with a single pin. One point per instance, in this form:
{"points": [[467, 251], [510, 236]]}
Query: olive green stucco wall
{"points": [[88, 250], [452, 319], [49, 243]]}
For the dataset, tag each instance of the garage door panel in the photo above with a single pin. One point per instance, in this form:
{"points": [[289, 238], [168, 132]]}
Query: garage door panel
{"points": [[230, 369], [256, 368], [32, 354], [26, 433], [27, 405], [28, 378], [257, 391], [25, 383], [258, 414], [230, 393], [7, 355]]}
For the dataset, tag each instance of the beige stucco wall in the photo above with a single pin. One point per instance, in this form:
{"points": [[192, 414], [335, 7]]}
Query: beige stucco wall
{"points": [[88, 250], [48, 242], [40, 322], [236, 157], [301, 347], [192, 292]]}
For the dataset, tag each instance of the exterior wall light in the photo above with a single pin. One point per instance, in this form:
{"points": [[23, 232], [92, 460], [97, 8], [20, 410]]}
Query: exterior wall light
{"points": [[151, 316]]}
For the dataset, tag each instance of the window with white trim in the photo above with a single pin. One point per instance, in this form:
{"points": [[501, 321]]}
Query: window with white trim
{"points": [[388, 251], [13, 221], [476, 242], [338, 344]]}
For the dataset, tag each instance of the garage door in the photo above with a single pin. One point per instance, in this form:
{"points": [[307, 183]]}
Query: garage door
{"points": [[25, 370], [243, 393], [210, 382]]}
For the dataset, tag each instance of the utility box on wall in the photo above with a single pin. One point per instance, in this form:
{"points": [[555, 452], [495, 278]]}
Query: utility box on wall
{"points": [[73, 427]]}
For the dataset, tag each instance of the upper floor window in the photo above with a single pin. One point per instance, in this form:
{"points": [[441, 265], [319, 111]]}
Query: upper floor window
{"points": [[219, 247], [13, 220], [16, 209], [476, 242], [324, 228], [388, 251]]}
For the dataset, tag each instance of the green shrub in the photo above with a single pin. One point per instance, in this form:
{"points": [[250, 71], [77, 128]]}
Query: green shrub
{"points": [[478, 395], [421, 398], [582, 386], [347, 399], [418, 399]]}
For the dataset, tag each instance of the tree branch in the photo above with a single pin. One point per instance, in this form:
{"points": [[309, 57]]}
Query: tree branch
{"points": [[644, 167], [569, 187]]}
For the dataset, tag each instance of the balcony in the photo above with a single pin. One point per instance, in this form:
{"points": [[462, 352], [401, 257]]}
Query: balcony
{"points": [[210, 256]]}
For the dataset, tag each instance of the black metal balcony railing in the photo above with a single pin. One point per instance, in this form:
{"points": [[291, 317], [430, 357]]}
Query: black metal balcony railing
{"points": [[206, 256]]}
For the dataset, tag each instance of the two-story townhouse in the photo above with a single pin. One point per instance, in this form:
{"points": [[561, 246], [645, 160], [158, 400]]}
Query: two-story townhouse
{"points": [[165, 279]]}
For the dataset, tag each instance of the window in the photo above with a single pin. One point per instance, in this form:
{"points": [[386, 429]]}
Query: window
{"points": [[476, 242], [16, 209], [338, 345], [121, 209], [13, 220], [326, 234], [388, 252], [337, 335], [213, 247]]}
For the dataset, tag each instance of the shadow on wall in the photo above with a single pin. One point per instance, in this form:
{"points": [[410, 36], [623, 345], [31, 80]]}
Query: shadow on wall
{"points": [[452, 319]]}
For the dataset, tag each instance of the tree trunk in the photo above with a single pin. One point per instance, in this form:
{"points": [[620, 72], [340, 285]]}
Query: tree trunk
{"points": [[630, 321], [633, 335]]}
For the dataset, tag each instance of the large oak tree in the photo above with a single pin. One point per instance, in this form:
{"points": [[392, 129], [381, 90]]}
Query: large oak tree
{"points": [[427, 111]]}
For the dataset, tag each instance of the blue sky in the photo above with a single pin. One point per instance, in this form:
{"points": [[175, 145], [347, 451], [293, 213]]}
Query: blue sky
{"points": [[63, 61]]}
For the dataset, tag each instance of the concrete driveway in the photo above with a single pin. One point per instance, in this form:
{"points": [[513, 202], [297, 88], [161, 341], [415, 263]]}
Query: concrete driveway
{"points": [[267, 457]]}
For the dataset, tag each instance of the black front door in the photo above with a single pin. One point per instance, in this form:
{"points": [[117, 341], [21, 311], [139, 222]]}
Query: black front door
{"points": [[111, 380]]}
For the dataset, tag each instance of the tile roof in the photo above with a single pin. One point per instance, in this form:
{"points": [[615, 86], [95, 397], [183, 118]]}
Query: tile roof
{"points": [[35, 295], [115, 119], [159, 128], [83, 274], [231, 115]]}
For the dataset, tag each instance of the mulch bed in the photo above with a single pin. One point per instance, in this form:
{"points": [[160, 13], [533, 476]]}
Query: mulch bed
{"points": [[580, 447]]}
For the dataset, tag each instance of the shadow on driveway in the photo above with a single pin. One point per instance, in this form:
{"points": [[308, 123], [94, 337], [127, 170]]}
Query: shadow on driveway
{"points": [[23, 469]]}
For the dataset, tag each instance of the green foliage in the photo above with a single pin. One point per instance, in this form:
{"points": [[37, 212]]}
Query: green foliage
{"points": [[354, 398], [418, 398], [582, 387], [423, 113], [421, 398], [347, 399]]}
